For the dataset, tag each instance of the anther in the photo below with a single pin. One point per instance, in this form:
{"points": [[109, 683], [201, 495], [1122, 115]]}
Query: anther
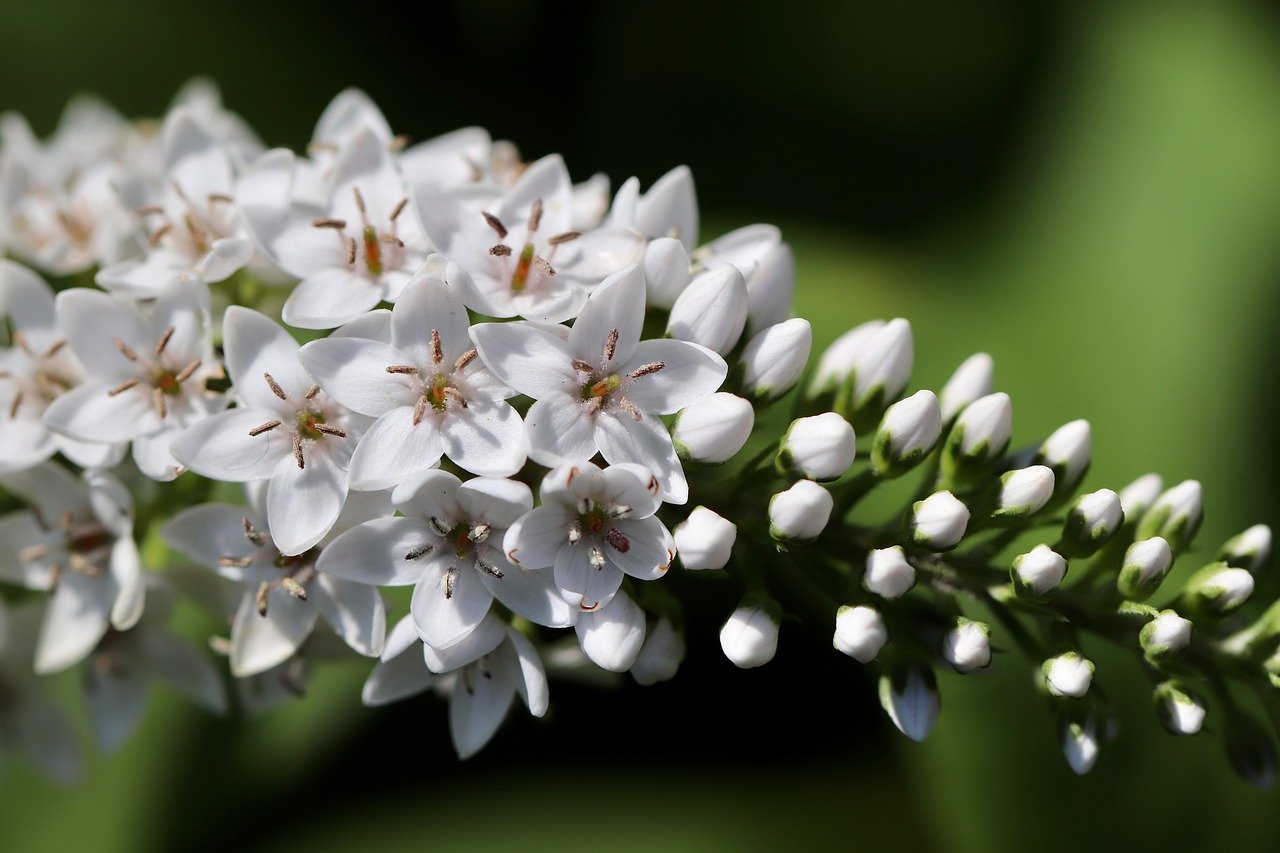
{"points": [[398, 142], [450, 578], [611, 345], [565, 237], [294, 588], [235, 562], [267, 427], [496, 224], [17, 402], [125, 349], [489, 568], [359, 200], [331, 430], [646, 369], [575, 533], [437, 349], [455, 395], [398, 209], [619, 511], [630, 408], [438, 527], [157, 398], [122, 387], [312, 392], [596, 557], [148, 210], [392, 240], [535, 215], [618, 540], [581, 366], [351, 251], [502, 250], [479, 533], [264, 589], [297, 452], [158, 234], [186, 372], [420, 552], [543, 266], [220, 198], [275, 387], [420, 409], [464, 359], [325, 222], [406, 369], [55, 347], [251, 533]]}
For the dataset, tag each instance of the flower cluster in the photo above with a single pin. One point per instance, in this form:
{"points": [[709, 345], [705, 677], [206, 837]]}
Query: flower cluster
{"points": [[299, 382]]}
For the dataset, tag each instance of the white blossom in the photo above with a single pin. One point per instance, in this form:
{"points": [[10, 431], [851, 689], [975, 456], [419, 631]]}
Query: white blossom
{"points": [[704, 540], [860, 632], [971, 381], [887, 573], [714, 429], [749, 638], [801, 512]]}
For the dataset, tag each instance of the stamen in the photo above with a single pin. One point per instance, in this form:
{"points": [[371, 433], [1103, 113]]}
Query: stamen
{"points": [[437, 349], [186, 372], [322, 147], [125, 349], [17, 401], [294, 588], [456, 396], [331, 430], [450, 578], [251, 533], [543, 266], [496, 224], [646, 369], [581, 366], [619, 511], [55, 348], [420, 552], [275, 387], [438, 527], [164, 340], [406, 369], [21, 340], [359, 201], [419, 409], [325, 222], [611, 345], [535, 215], [398, 142], [122, 387], [82, 565], [575, 533], [465, 359], [267, 427], [618, 540], [264, 589], [596, 558], [565, 237], [502, 250], [220, 198], [488, 567], [158, 234], [630, 408], [148, 210], [351, 251], [479, 533], [297, 451], [398, 209], [392, 240], [235, 562], [312, 392], [157, 397]]}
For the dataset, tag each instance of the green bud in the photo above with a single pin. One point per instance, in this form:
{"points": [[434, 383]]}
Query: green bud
{"points": [[1250, 550], [1092, 521]]}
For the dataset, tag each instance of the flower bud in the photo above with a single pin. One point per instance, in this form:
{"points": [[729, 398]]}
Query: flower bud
{"points": [[888, 574], [704, 540], [1217, 589], [1165, 636], [666, 271], [774, 359], [1068, 452], [713, 429], [1091, 522], [938, 522], [979, 437], [750, 637], [1175, 515], [801, 512], [909, 430], [661, 654], [877, 373], [1146, 563], [909, 695], [1069, 674], [971, 380], [967, 646], [1080, 742], [1137, 497], [1037, 573], [1024, 492], [837, 359], [771, 287], [1249, 550], [820, 447], [1178, 709], [712, 310], [860, 632]]}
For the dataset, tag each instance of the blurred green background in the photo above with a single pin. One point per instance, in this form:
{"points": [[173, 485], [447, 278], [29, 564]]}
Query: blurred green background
{"points": [[1088, 191]]}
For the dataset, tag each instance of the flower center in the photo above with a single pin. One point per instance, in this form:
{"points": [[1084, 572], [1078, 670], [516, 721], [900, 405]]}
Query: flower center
{"points": [[164, 380], [377, 250], [528, 260]]}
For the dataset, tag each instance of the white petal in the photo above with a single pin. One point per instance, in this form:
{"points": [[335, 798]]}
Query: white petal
{"points": [[393, 449], [689, 374], [560, 429], [76, 619], [531, 593], [25, 298], [531, 679], [330, 298], [354, 372], [116, 701], [225, 256], [536, 538], [375, 552], [259, 642], [399, 678], [19, 531], [445, 619], [486, 439], [256, 345], [355, 612], [670, 208], [617, 304], [303, 503], [90, 320], [650, 548], [582, 584], [477, 708], [529, 359], [485, 638], [374, 326], [496, 502], [646, 442], [152, 455], [207, 532], [612, 636], [548, 180], [603, 252], [126, 572], [634, 486], [221, 447], [428, 304], [90, 413], [430, 494]]}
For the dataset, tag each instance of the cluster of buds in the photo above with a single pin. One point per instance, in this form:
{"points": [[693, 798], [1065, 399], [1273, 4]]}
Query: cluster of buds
{"points": [[448, 410]]}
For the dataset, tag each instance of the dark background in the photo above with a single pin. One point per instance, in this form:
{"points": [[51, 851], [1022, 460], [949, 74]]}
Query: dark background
{"points": [[1088, 191]]}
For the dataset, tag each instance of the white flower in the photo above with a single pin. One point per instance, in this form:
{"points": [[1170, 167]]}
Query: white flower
{"points": [[284, 595], [1038, 572], [286, 430], [910, 698], [37, 369], [603, 388], [1024, 492], [521, 249], [146, 372], [594, 527], [819, 448], [192, 231], [1179, 710], [909, 430], [32, 725], [613, 635], [714, 429], [356, 249], [860, 632], [1146, 563], [939, 521], [712, 310], [705, 540], [77, 541], [749, 638], [774, 359], [1068, 674], [1080, 744], [661, 654], [448, 544], [1068, 452], [967, 646], [1136, 497], [801, 512], [669, 209], [888, 574], [971, 380], [428, 391], [1166, 635]]}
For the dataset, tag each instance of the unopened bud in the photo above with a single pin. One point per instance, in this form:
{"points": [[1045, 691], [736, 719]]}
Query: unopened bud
{"points": [[661, 654], [1069, 674], [908, 432], [1217, 589], [1175, 516], [888, 574], [971, 381], [666, 271], [1249, 550], [712, 310], [1146, 563], [801, 512], [967, 646], [774, 359], [1080, 742], [877, 373], [750, 636], [1068, 452], [705, 540], [860, 633], [909, 695], [1137, 497], [938, 522], [1165, 636], [838, 358], [1024, 492], [1091, 522], [979, 438], [1178, 709], [820, 447], [713, 429], [1037, 573]]}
